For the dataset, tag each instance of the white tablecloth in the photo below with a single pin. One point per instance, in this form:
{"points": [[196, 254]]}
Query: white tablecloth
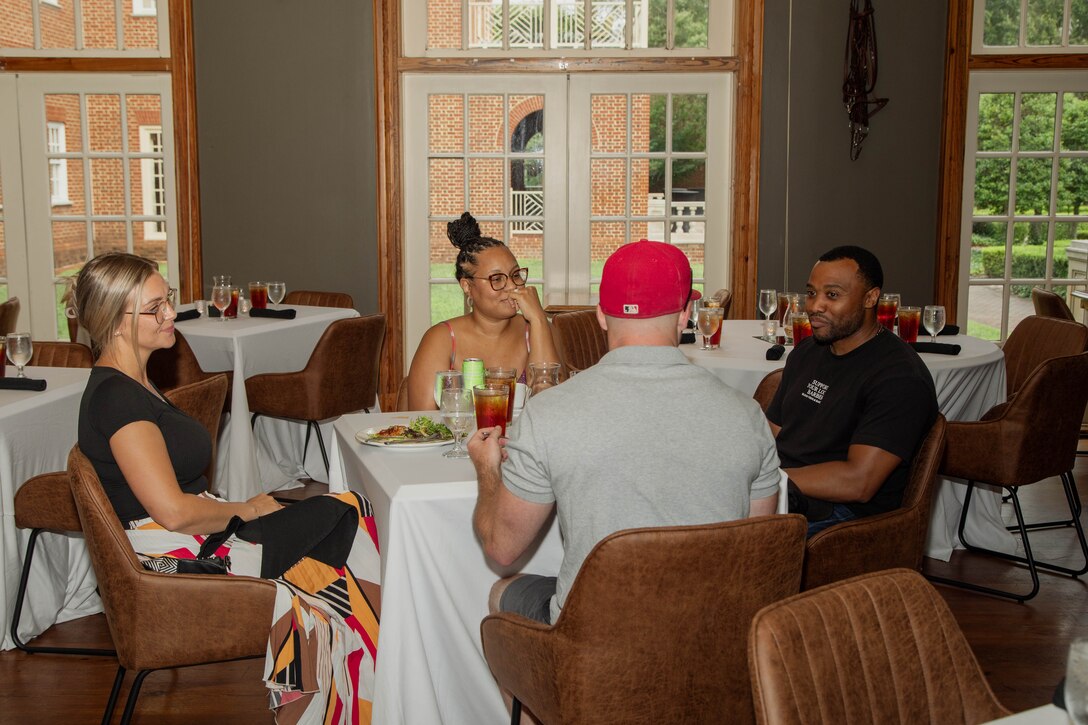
{"points": [[967, 386], [435, 579], [37, 430], [247, 464]]}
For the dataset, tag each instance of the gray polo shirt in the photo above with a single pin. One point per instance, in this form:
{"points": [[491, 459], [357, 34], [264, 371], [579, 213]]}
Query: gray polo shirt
{"points": [[642, 438]]}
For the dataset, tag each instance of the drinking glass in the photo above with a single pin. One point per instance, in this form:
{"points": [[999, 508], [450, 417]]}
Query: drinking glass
{"points": [[19, 350], [232, 308], [244, 306], [258, 295], [507, 377], [276, 292], [696, 305], [802, 327], [710, 319], [909, 317], [768, 302], [492, 400], [933, 319], [887, 309], [1076, 682], [221, 279], [543, 375], [794, 306], [221, 299], [201, 307], [457, 414], [445, 379]]}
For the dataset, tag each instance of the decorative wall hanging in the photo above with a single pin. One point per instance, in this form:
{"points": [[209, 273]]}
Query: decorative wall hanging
{"points": [[859, 74]]}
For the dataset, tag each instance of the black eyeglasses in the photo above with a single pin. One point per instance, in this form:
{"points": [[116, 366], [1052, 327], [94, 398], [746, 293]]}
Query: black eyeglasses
{"points": [[159, 310], [498, 280]]}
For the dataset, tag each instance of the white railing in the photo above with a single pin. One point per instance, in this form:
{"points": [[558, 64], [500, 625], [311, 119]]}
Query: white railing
{"points": [[681, 230], [527, 23], [528, 202]]}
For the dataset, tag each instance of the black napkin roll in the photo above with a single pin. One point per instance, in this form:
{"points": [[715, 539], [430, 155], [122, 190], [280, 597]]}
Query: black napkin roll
{"points": [[949, 330], [213, 311], [937, 348], [775, 352], [21, 384], [187, 315], [281, 314], [687, 337]]}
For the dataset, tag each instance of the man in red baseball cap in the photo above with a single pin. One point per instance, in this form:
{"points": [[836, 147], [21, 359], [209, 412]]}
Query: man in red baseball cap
{"points": [[611, 449]]}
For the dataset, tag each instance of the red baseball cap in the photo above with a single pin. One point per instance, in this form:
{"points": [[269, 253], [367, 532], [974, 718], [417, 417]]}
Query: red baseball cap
{"points": [[646, 279]]}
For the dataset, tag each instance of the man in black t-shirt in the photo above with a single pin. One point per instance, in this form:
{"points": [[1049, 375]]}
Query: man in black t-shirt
{"points": [[855, 401]]}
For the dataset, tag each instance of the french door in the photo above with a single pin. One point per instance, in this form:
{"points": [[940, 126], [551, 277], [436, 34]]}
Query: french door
{"points": [[86, 166], [564, 169]]}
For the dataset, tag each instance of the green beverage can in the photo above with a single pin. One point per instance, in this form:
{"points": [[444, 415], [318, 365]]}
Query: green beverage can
{"points": [[472, 372]]}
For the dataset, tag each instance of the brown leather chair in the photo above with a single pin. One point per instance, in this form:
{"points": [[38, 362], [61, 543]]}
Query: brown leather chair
{"points": [[161, 621], [884, 541], [203, 401], [9, 316], [175, 366], [580, 339], [654, 628], [340, 377], [1037, 339], [1048, 304], [60, 355], [1029, 439], [878, 648], [766, 389], [319, 299]]}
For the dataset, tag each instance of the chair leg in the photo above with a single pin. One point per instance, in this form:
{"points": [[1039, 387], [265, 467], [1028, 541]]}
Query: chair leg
{"points": [[130, 704], [1074, 509], [515, 712], [320, 442], [253, 420], [112, 702], [16, 615]]}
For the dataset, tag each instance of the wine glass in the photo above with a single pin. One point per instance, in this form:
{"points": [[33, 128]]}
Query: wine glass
{"points": [[1076, 681], [458, 412], [276, 292], [933, 319], [444, 379], [19, 350], [768, 302], [221, 299], [710, 318]]}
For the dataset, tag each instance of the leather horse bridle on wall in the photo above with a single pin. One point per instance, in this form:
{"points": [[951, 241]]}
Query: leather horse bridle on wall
{"points": [[859, 74]]}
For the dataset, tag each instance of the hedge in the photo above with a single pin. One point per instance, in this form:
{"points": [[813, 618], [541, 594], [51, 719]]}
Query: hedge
{"points": [[1027, 261]]}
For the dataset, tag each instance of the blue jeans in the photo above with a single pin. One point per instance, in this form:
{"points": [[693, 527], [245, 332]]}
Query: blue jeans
{"points": [[839, 513]]}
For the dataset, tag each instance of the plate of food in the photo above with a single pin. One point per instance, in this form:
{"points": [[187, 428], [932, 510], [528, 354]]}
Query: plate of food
{"points": [[421, 432]]}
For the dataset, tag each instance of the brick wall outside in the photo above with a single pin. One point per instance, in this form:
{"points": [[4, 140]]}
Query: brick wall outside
{"points": [[15, 25], [58, 25], [444, 23]]}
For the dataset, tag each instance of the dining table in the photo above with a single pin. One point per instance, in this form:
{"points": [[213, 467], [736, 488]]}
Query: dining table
{"points": [[270, 455], [967, 384], [37, 431]]}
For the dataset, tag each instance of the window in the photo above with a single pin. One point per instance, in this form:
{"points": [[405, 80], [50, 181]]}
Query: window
{"points": [[144, 7], [153, 182], [1030, 26], [83, 28], [58, 167]]}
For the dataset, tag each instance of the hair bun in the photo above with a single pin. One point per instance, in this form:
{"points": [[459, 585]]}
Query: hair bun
{"points": [[463, 231]]}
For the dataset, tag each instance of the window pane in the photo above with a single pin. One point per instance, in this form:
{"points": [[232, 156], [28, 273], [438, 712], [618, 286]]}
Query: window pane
{"points": [[1045, 22], [605, 238], [569, 25], [104, 122], [991, 186], [640, 191], [1078, 23], [609, 124], [485, 183], [988, 249], [527, 24], [1075, 121], [1029, 250], [607, 177], [1037, 121], [141, 31], [609, 18], [446, 181], [151, 248], [16, 24], [689, 123], [527, 244], [109, 237], [446, 124], [142, 110], [527, 190], [985, 307], [485, 124], [1002, 23], [526, 124], [108, 187], [100, 24], [650, 29], [444, 24], [657, 131], [58, 24], [1033, 186], [485, 23], [1073, 186], [69, 245], [690, 23], [995, 121], [443, 254], [688, 237]]}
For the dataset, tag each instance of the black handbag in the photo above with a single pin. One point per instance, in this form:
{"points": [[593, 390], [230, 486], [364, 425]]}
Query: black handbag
{"points": [[205, 562]]}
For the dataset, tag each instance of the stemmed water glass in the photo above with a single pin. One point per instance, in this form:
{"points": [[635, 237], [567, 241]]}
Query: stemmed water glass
{"points": [[19, 350], [221, 299], [458, 412], [276, 292], [933, 319], [710, 319], [444, 380], [768, 302]]}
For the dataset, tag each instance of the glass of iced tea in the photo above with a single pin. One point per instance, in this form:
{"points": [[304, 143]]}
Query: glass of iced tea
{"points": [[507, 377], [258, 295], [232, 308], [887, 308], [492, 401], [909, 317], [802, 328]]}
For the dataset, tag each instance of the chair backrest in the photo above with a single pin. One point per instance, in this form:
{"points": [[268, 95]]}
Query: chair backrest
{"points": [[655, 626], [1033, 436], [1036, 339], [766, 389], [724, 298], [165, 620], [580, 339], [879, 648], [885, 541], [60, 355], [319, 299], [73, 329], [9, 316], [342, 373], [203, 401], [175, 366], [45, 502], [1048, 304]]}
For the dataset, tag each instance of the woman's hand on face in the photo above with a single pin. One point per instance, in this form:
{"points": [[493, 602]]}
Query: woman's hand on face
{"points": [[263, 504], [528, 301]]}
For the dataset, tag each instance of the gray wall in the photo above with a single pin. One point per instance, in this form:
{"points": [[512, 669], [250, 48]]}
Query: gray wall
{"points": [[286, 123], [812, 197]]}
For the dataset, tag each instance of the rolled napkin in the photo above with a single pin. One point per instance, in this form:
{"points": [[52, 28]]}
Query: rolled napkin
{"points": [[214, 312], [186, 315], [775, 352], [282, 314], [949, 330], [937, 348], [21, 384], [687, 337]]}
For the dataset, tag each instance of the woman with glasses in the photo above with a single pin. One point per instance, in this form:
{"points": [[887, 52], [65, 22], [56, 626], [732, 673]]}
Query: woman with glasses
{"points": [[493, 331], [151, 457]]}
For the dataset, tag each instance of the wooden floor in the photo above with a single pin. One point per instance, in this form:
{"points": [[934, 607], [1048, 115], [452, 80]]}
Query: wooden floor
{"points": [[1021, 647]]}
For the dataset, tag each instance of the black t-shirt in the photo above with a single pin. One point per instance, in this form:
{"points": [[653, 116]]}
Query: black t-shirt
{"points": [[880, 394], [111, 401]]}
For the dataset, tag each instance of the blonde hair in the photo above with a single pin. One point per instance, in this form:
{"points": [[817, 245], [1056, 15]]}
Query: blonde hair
{"points": [[104, 290]]}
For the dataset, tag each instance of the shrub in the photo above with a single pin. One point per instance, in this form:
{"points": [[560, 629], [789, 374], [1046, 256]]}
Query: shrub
{"points": [[1028, 261]]}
